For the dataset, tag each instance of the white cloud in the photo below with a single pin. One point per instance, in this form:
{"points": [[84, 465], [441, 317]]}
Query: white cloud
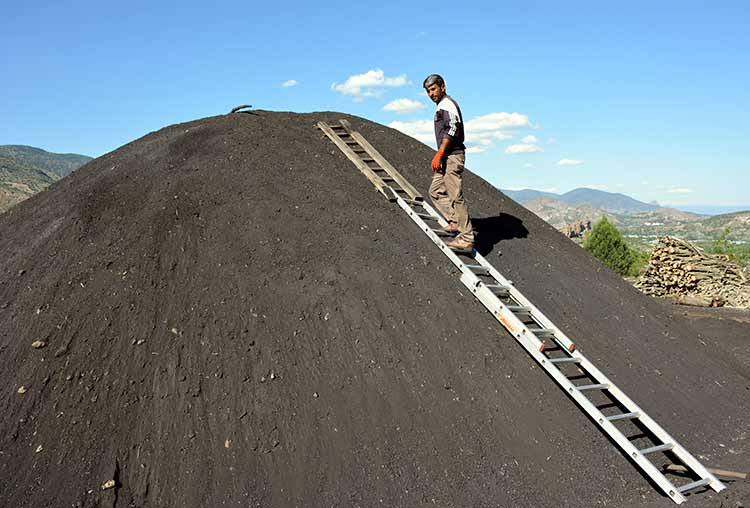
{"points": [[596, 186], [370, 84], [550, 189], [644, 182], [484, 129], [551, 141], [502, 136], [423, 130], [522, 148], [289, 83], [679, 190], [476, 149], [516, 188], [528, 165], [569, 162], [529, 140], [477, 138], [403, 106], [497, 121]]}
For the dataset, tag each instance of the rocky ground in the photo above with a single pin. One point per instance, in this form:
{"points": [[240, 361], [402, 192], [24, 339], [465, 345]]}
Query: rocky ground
{"points": [[225, 313]]}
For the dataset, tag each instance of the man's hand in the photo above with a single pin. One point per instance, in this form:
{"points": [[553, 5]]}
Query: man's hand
{"points": [[437, 161]]}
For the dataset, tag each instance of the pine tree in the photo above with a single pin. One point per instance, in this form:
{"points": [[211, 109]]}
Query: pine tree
{"points": [[606, 243]]}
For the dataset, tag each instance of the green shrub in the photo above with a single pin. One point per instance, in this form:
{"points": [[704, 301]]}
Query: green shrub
{"points": [[607, 244], [738, 253], [640, 262]]}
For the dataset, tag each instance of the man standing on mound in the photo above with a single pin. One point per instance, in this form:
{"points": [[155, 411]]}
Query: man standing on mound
{"points": [[448, 165]]}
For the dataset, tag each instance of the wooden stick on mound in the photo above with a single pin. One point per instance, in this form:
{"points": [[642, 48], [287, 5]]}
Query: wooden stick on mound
{"points": [[238, 108], [723, 473]]}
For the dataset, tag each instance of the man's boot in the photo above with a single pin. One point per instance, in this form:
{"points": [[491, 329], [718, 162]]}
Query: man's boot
{"points": [[451, 228], [461, 244]]}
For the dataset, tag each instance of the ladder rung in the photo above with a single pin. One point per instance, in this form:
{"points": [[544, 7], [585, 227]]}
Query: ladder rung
{"points": [[659, 448], [542, 332], [498, 289], [694, 485], [368, 159], [519, 309], [599, 386], [413, 202], [565, 359], [425, 215], [441, 232], [478, 269], [623, 416], [350, 142], [388, 179]]}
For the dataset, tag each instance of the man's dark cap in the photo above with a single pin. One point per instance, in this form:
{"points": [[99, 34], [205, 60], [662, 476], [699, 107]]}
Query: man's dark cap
{"points": [[433, 79]]}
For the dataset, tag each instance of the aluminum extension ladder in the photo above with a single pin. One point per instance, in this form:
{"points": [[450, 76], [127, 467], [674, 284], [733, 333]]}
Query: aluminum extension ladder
{"points": [[547, 344]]}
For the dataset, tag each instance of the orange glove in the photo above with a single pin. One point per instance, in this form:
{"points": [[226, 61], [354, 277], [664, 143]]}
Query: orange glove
{"points": [[437, 160]]}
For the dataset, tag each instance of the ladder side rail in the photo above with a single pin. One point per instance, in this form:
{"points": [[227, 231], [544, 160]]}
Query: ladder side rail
{"points": [[379, 184], [678, 450], [398, 177], [486, 296]]}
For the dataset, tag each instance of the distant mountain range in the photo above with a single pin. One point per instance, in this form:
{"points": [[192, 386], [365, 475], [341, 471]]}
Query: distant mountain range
{"points": [[607, 201], [645, 221], [26, 170], [615, 202]]}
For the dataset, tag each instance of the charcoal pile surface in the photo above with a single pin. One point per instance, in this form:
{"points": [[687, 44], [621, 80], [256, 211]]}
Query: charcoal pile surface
{"points": [[679, 269], [226, 313]]}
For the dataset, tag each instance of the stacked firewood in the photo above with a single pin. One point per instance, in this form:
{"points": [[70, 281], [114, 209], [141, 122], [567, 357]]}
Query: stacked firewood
{"points": [[680, 270]]}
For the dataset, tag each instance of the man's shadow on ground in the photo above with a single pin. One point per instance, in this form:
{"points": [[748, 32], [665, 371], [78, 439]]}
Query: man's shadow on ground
{"points": [[490, 230]]}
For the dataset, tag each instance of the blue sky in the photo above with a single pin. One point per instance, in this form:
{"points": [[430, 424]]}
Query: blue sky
{"points": [[649, 99]]}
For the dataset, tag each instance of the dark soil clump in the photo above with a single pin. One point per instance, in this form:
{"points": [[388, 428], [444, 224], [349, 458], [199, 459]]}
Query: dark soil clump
{"points": [[232, 316]]}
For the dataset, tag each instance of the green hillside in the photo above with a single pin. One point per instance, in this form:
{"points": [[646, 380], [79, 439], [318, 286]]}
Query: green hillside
{"points": [[25, 170]]}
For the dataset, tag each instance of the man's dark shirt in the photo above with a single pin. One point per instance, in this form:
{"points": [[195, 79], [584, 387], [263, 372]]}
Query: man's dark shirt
{"points": [[449, 123]]}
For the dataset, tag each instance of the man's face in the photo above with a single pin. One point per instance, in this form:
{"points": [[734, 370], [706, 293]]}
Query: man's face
{"points": [[436, 92]]}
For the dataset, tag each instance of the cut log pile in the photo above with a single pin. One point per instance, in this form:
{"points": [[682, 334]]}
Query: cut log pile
{"points": [[680, 270]]}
